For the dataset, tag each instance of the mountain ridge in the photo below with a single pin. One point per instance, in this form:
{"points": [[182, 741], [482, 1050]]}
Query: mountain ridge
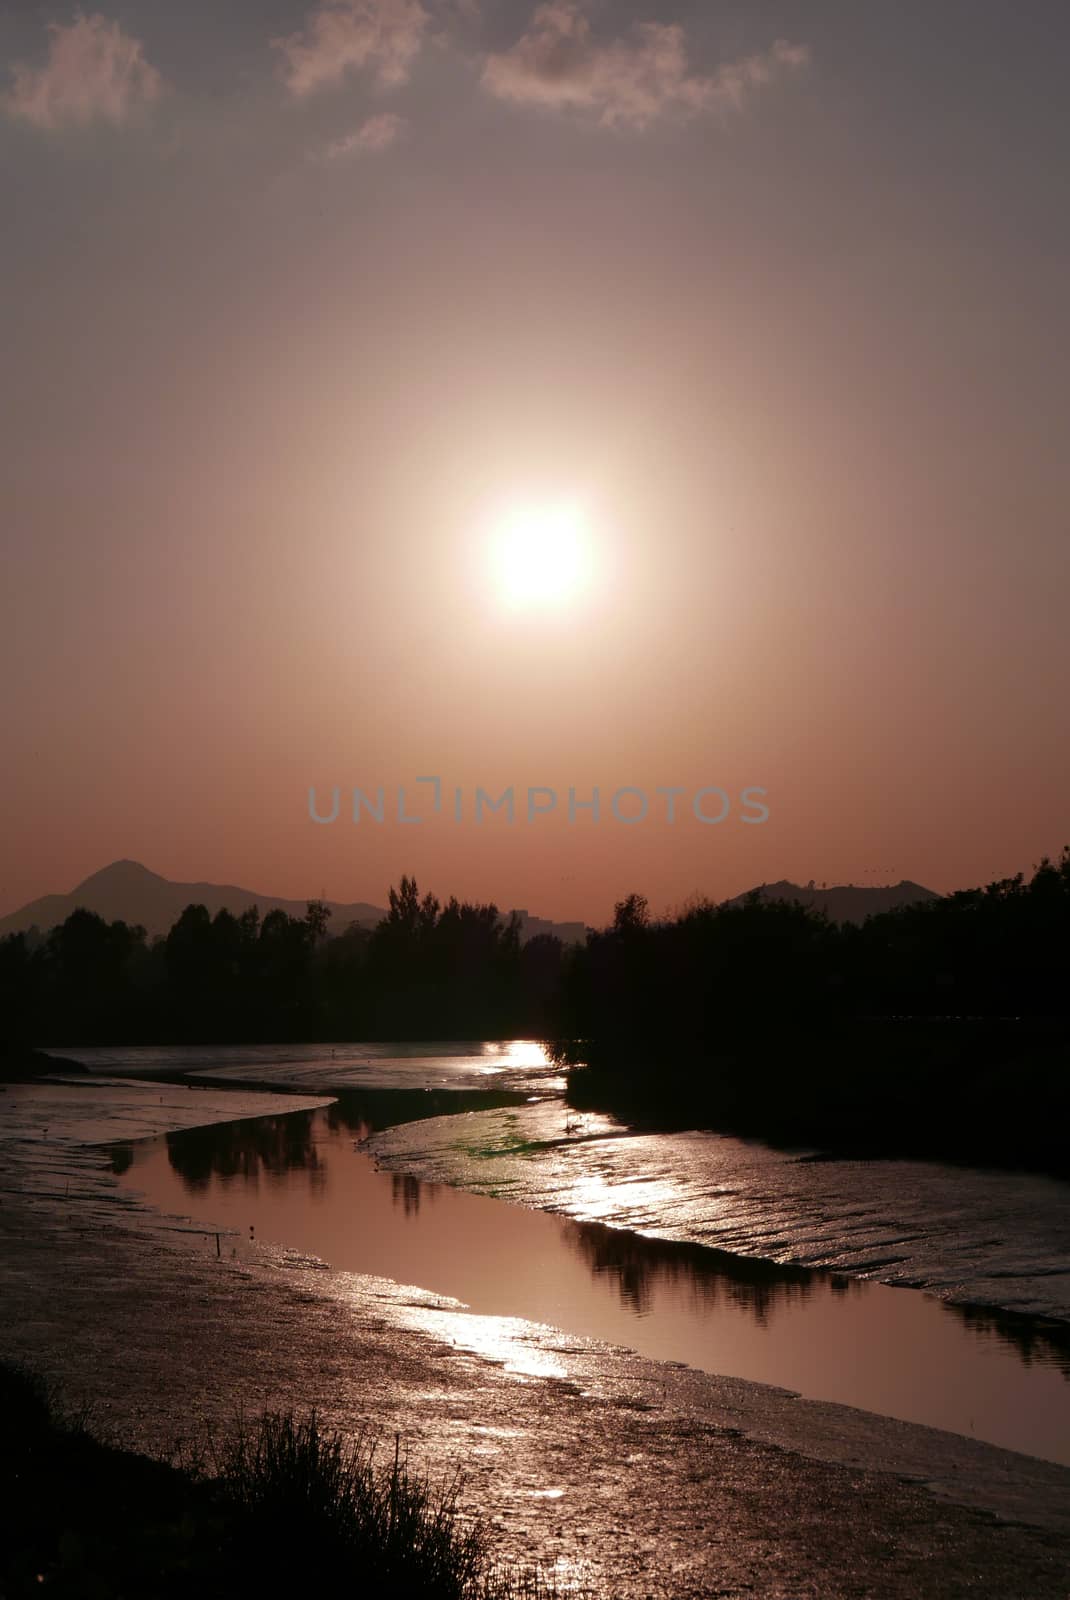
{"points": [[128, 892], [843, 902]]}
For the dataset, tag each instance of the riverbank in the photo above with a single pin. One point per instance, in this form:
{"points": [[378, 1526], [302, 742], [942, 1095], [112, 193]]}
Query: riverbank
{"points": [[977, 1091], [645, 1480], [242, 1512], [22, 1065], [975, 1237]]}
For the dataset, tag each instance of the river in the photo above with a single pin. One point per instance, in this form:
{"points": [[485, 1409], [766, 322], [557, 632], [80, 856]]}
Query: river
{"points": [[920, 1291]]}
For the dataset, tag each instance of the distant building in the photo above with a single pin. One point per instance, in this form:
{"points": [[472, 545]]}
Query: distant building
{"points": [[531, 927]]}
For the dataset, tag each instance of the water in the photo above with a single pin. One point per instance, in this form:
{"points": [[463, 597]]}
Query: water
{"points": [[977, 1237], [517, 1066], [317, 1182]]}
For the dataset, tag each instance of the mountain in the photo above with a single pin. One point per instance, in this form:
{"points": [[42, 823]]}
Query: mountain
{"points": [[844, 902], [128, 892]]}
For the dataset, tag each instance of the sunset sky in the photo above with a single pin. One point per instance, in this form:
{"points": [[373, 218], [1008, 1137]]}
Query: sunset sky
{"points": [[298, 306]]}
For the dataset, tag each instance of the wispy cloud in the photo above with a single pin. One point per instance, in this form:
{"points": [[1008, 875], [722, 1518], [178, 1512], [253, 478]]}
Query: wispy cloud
{"points": [[95, 72], [341, 36], [628, 81], [376, 134]]}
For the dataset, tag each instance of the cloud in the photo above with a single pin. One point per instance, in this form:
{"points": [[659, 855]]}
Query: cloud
{"points": [[95, 72], [377, 134], [629, 81], [345, 35]]}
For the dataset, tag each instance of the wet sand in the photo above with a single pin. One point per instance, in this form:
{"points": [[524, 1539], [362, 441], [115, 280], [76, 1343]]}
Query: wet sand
{"points": [[647, 1480]]}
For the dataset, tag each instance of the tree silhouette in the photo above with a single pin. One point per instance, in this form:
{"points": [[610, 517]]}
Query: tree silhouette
{"points": [[941, 1025]]}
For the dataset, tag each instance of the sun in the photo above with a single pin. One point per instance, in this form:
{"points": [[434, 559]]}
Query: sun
{"points": [[541, 555]]}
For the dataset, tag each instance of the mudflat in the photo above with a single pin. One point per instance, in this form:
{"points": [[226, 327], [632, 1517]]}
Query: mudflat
{"points": [[636, 1478]]}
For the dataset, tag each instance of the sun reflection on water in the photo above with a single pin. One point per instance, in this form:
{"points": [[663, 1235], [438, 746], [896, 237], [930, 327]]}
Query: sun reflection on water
{"points": [[593, 1199], [509, 1342]]}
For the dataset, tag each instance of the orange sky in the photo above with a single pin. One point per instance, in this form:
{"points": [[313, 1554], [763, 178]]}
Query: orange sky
{"points": [[280, 324]]}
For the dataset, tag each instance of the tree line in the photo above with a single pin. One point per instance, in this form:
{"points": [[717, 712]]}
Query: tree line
{"points": [[941, 1024], [428, 970], [937, 1028], [458, 969]]}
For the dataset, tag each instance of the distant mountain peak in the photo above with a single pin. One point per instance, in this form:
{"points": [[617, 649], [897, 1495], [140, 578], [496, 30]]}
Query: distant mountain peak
{"points": [[124, 871], [127, 891]]}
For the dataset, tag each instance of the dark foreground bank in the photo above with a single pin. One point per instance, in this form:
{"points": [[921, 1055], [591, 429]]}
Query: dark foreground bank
{"points": [[249, 1514]]}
